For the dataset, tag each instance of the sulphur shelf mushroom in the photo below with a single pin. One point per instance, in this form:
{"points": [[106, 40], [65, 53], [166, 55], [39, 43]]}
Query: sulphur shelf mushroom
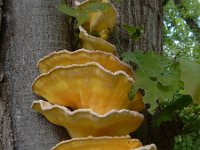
{"points": [[85, 86], [137, 103], [99, 143], [100, 22], [147, 147], [85, 122], [81, 56], [94, 43], [103, 143]]}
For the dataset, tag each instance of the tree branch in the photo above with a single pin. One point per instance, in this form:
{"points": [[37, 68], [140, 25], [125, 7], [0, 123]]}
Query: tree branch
{"points": [[190, 21]]}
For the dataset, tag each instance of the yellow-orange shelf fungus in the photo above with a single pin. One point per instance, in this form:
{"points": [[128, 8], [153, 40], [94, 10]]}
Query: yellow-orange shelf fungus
{"points": [[94, 43], [147, 147], [101, 22], [85, 86], [99, 143], [83, 5], [104, 22], [137, 103], [85, 122], [81, 56]]}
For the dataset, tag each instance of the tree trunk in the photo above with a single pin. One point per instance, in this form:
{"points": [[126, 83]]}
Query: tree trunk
{"points": [[30, 30], [147, 14]]}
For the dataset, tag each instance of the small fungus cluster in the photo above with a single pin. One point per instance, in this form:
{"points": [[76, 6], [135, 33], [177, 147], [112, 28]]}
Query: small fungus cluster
{"points": [[87, 91]]}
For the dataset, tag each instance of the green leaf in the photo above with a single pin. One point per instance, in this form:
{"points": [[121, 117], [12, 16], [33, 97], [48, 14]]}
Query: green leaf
{"points": [[74, 12], [95, 6], [195, 126], [190, 75], [81, 18], [134, 32], [81, 14], [179, 103], [156, 74], [66, 9]]}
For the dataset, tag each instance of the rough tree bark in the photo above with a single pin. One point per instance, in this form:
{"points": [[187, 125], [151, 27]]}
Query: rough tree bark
{"points": [[140, 13], [30, 30], [147, 14], [6, 136]]}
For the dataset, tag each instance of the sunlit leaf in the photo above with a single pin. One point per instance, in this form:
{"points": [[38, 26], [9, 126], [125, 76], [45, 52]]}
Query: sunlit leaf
{"points": [[66, 9], [95, 6], [190, 75], [82, 14], [156, 74]]}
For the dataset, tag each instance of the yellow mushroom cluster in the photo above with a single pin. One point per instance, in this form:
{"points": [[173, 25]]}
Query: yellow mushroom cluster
{"points": [[86, 91], [101, 23]]}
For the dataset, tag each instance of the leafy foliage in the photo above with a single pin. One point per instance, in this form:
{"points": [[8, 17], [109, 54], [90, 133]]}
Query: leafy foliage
{"points": [[82, 14], [134, 32], [179, 102], [179, 38], [191, 130], [191, 118], [188, 142], [182, 38], [156, 74], [191, 77]]}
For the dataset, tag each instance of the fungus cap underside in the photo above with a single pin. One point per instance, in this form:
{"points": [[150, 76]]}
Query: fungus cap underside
{"points": [[85, 122], [99, 143], [85, 86], [98, 21]]}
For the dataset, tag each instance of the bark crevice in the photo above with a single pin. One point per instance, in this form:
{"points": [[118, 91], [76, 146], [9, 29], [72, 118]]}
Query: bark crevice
{"points": [[6, 130], [1, 15]]}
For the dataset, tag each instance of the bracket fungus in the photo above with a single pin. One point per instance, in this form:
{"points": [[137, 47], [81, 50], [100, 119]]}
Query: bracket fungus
{"points": [[95, 84], [137, 103], [90, 42], [98, 21], [99, 143], [147, 147], [82, 56], [85, 86], [85, 122]]}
